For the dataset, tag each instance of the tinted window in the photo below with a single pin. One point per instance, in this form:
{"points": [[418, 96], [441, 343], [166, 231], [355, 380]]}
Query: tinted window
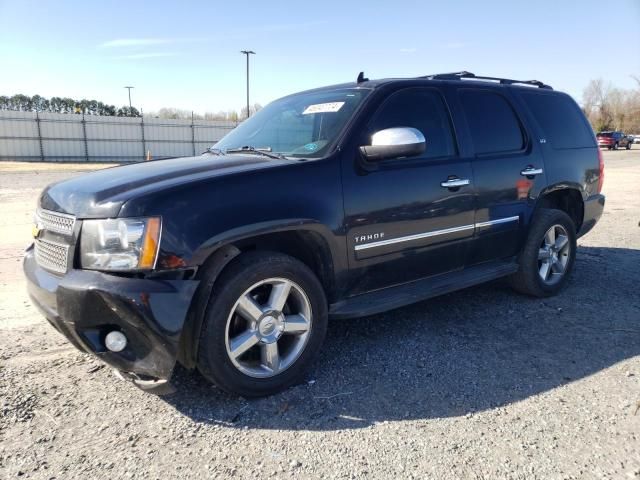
{"points": [[423, 109], [493, 123], [561, 120]]}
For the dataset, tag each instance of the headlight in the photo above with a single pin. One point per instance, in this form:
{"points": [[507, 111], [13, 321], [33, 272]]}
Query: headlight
{"points": [[120, 244]]}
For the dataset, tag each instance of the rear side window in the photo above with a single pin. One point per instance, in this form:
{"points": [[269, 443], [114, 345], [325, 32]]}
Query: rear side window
{"points": [[561, 120], [423, 109], [493, 123]]}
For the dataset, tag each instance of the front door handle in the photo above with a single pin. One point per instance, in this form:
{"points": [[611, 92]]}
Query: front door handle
{"points": [[455, 183], [531, 171]]}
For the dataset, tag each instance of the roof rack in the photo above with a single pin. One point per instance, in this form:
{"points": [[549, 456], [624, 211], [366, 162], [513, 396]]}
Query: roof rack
{"points": [[505, 81]]}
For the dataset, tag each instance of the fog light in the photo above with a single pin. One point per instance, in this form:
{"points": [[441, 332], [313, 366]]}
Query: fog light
{"points": [[115, 341]]}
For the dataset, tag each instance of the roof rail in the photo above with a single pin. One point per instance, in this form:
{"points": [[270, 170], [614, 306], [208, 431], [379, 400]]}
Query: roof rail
{"points": [[505, 81]]}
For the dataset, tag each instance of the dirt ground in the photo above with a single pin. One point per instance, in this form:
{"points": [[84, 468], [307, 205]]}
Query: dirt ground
{"points": [[478, 384]]}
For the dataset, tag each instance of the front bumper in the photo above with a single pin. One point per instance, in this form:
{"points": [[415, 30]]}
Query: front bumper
{"points": [[85, 305], [593, 208]]}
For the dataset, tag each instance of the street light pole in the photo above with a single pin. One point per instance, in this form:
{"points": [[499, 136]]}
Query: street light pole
{"points": [[247, 53], [129, 88]]}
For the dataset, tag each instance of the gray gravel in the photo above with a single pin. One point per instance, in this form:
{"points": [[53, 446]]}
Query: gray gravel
{"points": [[478, 384]]}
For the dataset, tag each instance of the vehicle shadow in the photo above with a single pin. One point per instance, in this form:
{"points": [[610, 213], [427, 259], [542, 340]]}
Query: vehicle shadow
{"points": [[465, 352]]}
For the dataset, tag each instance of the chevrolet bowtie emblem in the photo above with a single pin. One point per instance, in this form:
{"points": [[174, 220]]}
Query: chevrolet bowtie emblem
{"points": [[35, 230]]}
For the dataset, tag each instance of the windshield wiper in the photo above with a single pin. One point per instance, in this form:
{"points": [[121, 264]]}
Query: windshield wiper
{"points": [[265, 151], [215, 151]]}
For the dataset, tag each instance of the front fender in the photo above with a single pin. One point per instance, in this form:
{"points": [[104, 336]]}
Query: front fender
{"points": [[245, 232]]}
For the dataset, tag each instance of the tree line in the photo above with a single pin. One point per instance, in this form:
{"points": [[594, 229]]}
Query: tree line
{"points": [[227, 115], [610, 108], [36, 103], [25, 103]]}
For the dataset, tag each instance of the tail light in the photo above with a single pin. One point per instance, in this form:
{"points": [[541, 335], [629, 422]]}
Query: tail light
{"points": [[601, 170]]}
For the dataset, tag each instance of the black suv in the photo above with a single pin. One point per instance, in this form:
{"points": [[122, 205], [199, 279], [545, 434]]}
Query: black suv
{"points": [[338, 202]]}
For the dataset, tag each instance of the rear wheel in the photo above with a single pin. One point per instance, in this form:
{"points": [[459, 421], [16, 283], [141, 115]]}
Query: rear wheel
{"points": [[264, 325], [548, 255], [629, 146], [615, 146]]}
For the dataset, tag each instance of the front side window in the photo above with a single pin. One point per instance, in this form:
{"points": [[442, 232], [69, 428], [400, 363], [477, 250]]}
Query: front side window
{"points": [[423, 109], [493, 123], [304, 125]]}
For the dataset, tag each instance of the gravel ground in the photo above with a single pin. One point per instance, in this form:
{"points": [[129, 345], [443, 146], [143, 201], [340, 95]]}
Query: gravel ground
{"points": [[478, 384]]}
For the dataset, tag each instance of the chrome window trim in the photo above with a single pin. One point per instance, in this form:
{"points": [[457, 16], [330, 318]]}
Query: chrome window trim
{"points": [[435, 233]]}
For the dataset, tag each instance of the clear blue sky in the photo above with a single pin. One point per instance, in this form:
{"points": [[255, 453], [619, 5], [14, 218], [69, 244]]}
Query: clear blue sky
{"points": [[186, 54]]}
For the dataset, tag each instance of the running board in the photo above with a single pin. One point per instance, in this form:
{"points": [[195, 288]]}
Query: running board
{"points": [[401, 295]]}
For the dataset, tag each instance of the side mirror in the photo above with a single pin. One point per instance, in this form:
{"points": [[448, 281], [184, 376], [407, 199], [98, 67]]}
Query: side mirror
{"points": [[394, 143]]}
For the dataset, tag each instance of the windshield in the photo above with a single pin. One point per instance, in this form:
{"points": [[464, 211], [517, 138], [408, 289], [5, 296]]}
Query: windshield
{"points": [[605, 134], [303, 125]]}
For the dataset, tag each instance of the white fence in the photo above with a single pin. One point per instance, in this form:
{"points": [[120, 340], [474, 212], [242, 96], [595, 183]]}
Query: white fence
{"points": [[59, 137]]}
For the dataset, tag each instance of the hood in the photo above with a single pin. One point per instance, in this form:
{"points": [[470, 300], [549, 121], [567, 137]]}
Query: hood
{"points": [[101, 194]]}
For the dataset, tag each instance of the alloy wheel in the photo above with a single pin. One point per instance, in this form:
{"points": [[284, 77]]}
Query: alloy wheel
{"points": [[268, 327], [553, 255]]}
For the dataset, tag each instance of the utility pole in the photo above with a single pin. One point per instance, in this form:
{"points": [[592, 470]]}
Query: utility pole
{"points": [[247, 53], [129, 88]]}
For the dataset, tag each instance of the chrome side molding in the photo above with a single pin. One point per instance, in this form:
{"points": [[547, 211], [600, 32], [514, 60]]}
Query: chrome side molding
{"points": [[434, 233], [416, 236], [497, 221]]}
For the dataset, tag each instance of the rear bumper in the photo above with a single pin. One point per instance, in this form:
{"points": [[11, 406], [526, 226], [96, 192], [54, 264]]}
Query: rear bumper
{"points": [[85, 305], [593, 208]]}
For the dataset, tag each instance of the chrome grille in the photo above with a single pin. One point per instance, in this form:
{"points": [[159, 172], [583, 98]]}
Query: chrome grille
{"points": [[55, 222], [52, 256]]}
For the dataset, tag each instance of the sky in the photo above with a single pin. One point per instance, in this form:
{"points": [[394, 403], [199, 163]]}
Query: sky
{"points": [[187, 54]]}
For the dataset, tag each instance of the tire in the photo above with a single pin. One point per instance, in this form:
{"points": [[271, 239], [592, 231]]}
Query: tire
{"points": [[615, 146], [628, 146], [529, 277], [231, 317]]}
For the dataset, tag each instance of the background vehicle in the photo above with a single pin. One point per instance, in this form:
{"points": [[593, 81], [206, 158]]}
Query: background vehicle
{"points": [[338, 202], [614, 140]]}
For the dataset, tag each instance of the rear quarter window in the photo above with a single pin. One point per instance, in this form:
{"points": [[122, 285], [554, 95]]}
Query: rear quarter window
{"points": [[560, 119]]}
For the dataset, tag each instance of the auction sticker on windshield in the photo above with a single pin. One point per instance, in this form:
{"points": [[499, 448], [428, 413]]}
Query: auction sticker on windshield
{"points": [[323, 108]]}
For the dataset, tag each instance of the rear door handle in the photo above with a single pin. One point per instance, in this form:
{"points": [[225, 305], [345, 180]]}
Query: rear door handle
{"points": [[455, 183], [531, 172]]}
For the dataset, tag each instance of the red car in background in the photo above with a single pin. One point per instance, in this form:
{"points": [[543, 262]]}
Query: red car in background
{"points": [[614, 140]]}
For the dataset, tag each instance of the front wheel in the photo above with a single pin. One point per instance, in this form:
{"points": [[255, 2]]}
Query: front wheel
{"points": [[629, 146], [548, 255], [615, 146], [264, 325]]}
